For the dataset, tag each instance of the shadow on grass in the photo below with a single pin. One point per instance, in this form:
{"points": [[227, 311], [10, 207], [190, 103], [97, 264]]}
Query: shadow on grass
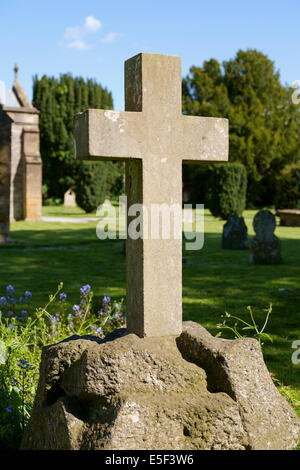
{"points": [[214, 281], [53, 235], [219, 281]]}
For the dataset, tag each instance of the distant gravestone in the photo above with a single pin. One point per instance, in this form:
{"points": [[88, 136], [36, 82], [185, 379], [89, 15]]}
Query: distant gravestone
{"points": [[70, 198], [107, 203], [235, 234], [264, 246]]}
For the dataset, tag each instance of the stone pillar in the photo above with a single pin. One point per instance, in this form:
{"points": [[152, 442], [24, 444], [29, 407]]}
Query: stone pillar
{"points": [[32, 175], [20, 159], [16, 173], [25, 164]]}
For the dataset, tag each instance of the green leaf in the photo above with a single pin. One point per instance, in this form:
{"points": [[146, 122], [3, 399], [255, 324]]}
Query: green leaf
{"points": [[3, 352]]}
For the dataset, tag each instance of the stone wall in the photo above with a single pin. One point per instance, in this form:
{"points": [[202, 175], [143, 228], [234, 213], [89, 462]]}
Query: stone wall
{"points": [[19, 141]]}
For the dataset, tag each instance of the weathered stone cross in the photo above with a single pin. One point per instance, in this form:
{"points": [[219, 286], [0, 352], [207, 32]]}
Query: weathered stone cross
{"points": [[153, 137]]}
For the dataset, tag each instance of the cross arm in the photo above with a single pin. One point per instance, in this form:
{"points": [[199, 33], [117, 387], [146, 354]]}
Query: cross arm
{"points": [[203, 139], [107, 135]]}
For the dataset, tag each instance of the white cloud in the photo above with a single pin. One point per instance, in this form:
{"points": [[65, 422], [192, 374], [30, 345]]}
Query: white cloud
{"points": [[111, 37], [91, 24], [75, 35]]}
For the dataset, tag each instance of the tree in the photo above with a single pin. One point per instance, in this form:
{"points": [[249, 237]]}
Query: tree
{"points": [[228, 190], [263, 122], [58, 100]]}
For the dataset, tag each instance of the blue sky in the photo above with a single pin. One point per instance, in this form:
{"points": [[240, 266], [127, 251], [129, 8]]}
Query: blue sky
{"points": [[93, 38]]}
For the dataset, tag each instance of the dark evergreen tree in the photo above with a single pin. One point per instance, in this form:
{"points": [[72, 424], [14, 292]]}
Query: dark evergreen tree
{"points": [[264, 124], [228, 190], [58, 100]]}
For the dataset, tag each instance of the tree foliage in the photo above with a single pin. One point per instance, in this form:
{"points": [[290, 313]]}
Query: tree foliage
{"points": [[287, 193], [228, 190], [264, 124], [58, 100]]}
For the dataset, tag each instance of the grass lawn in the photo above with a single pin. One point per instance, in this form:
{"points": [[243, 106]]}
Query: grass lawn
{"points": [[214, 280]]}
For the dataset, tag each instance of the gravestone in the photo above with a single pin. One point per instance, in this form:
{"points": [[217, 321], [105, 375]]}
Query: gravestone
{"points": [[265, 246], [235, 233], [20, 160], [70, 198], [107, 203], [160, 384]]}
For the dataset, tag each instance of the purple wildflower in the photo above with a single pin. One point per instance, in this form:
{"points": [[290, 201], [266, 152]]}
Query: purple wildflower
{"points": [[85, 290], [24, 365], [62, 296], [10, 290], [9, 409], [3, 300], [76, 308], [28, 295]]}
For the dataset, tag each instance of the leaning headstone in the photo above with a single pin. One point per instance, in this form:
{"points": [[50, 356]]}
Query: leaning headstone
{"points": [[155, 386], [70, 198], [235, 233], [265, 246]]}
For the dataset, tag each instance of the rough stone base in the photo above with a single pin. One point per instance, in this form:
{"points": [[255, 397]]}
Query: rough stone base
{"points": [[265, 252], [190, 392]]}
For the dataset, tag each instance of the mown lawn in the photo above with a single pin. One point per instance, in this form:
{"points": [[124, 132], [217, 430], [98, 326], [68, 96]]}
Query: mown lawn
{"points": [[214, 280]]}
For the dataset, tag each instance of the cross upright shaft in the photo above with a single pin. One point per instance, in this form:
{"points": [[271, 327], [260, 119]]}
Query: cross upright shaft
{"points": [[153, 138]]}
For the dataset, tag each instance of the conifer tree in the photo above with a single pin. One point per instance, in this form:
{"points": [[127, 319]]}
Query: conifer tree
{"points": [[264, 124], [58, 100]]}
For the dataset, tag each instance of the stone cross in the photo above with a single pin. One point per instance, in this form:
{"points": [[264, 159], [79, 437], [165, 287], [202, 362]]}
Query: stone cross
{"points": [[154, 138]]}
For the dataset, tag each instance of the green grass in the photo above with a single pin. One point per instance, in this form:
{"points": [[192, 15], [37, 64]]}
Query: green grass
{"points": [[62, 211], [214, 280]]}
